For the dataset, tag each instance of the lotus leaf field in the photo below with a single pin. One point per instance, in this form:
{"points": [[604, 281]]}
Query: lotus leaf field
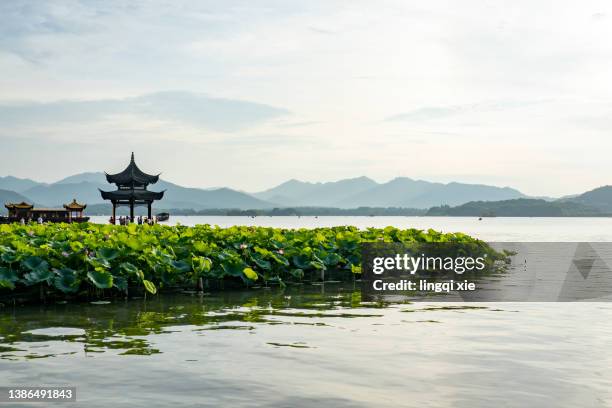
{"points": [[99, 260]]}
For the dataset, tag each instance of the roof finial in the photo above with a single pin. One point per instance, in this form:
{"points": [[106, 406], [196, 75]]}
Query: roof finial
{"points": [[132, 159]]}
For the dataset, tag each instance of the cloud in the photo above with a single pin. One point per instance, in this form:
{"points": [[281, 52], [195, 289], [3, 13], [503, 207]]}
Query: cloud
{"points": [[426, 113], [323, 31], [199, 110], [442, 112], [299, 124]]}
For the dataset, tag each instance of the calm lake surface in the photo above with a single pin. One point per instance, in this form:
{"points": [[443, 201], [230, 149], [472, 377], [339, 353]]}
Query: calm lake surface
{"points": [[509, 229], [321, 345]]}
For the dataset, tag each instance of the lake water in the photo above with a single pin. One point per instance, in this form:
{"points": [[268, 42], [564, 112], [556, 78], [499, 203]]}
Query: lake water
{"points": [[321, 345], [509, 229]]}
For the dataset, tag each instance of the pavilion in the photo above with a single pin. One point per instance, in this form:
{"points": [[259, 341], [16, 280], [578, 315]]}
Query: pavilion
{"points": [[132, 189], [72, 212]]}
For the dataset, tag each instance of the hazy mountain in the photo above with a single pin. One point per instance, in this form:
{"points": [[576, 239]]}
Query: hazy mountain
{"points": [[299, 193], [452, 199], [406, 192], [17, 184], [522, 207], [56, 194], [459, 193], [600, 198], [7, 196], [349, 193], [288, 189], [395, 193], [84, 187], [196, 198], [91, 177]]}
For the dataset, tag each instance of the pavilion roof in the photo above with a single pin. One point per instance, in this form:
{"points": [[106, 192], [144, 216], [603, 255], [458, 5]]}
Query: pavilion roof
{"points": [[74, 206], [22, 206], [143, 195], [132, 175]]}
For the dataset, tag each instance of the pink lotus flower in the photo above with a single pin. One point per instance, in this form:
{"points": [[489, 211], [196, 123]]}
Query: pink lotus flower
{"points": [[280, 251], [65, 254]]}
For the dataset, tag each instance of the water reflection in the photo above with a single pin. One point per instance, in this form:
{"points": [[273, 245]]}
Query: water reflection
{"points": [[27, 332], [306, 346]]}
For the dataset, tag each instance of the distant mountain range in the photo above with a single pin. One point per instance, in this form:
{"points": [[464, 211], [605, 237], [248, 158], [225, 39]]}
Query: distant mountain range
{"points": [[599, 198], [401, 192], [84, 187], [7, 196], [521, 207], [594, 203], [17, 185]]}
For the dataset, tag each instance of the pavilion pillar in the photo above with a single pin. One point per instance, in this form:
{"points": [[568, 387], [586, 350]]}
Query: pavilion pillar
{"points": [[149, 210], [114, 208], [131, 210]]}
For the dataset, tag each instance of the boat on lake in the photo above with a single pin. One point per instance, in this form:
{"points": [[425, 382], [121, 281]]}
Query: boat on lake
{"points": [[164, 216]]}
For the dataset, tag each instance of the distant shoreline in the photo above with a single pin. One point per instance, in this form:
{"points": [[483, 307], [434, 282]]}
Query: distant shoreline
{"points": [[370, 216]]}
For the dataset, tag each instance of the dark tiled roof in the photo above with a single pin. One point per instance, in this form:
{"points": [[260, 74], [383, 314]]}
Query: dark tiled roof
{"points": [[132, 194], [132, 175]]}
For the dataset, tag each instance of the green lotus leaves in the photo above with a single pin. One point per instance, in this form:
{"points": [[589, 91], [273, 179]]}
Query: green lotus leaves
{"points": [[301, 261], [332, 259], [76, 246], [99, 263], [181, 266], [8, 255], [250, 274], [75, 258], [201, 247], [37, 276], [132, 229], [149, 286], [8, 278], [66, 280], [128, 267], [201, 264], [233, 268], [38, 270], [280, 259], [297, 273], [107, 254], [261, 263], [317, 265], [35, 263], [100, 278], [120, 282]]}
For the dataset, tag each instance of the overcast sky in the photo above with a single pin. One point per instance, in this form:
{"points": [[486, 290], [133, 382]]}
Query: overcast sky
{"points": [[248, 94]]}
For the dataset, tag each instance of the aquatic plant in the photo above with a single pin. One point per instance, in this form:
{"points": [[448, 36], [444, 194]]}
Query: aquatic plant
{"points": [[77, 258]]}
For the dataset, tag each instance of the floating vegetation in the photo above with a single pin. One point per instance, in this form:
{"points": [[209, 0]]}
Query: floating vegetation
{"points": [[436, 308], [293, 345], [94, 260]]}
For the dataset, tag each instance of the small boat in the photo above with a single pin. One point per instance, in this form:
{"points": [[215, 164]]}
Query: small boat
{"points": [[163, 216]]}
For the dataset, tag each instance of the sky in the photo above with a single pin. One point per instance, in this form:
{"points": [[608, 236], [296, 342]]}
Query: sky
{"points": [[248, 94]]}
